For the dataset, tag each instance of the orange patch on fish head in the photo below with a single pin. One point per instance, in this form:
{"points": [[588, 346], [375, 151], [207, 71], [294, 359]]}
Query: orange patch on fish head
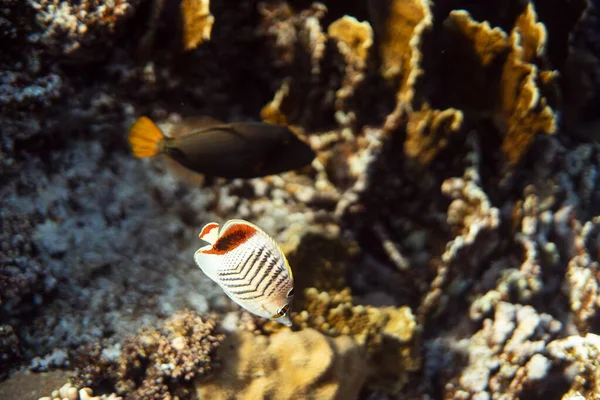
{"points": [[235, 236]]}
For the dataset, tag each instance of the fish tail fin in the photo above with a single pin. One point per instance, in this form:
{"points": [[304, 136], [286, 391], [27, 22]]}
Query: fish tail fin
{"points": [[210, 233], [145, 137]]}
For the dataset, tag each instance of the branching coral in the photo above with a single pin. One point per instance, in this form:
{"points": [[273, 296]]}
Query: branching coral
{"points": [[583, 273], [506, 355], [475, 222], [69, 26], [580, 356]]}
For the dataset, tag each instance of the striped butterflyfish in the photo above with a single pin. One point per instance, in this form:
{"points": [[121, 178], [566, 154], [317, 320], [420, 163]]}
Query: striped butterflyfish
{"points": [[214, 148], [250, 268]]}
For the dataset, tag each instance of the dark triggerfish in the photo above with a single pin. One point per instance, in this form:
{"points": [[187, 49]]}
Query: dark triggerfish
{"points": [[214, 148]]}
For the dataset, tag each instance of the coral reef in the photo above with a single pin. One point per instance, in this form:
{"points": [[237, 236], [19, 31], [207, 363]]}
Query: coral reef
{"points": [[444, 242]]}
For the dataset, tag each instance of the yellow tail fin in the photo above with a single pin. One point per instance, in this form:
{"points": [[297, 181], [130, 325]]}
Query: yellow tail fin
{"points": [[144, 138]]}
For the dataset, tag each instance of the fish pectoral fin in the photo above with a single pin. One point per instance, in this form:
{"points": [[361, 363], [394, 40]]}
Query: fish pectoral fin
{"points": [[208, 263]]}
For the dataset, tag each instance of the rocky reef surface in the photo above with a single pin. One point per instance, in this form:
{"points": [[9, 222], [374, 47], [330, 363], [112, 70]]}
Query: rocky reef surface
{"points": [[445, 242]]}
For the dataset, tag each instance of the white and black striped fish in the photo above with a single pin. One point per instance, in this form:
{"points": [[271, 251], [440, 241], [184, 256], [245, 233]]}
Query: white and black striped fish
{"points": [[249, 266]]}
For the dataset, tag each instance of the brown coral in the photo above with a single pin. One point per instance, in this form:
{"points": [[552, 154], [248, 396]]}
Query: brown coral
{"points": [[152, 361], [287, 365]]}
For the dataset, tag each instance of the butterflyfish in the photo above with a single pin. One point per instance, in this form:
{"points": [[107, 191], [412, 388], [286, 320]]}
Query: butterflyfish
{"points": [[211, 147], [250, 268]]}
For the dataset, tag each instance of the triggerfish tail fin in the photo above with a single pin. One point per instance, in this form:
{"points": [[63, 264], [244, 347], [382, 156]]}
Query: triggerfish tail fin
{"points": [[210, 233], [145, 137]]}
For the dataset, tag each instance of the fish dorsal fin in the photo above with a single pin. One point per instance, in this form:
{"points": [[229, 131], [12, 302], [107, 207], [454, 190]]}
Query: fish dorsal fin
{"points": [[233, 234], [210, 233], [193, 125]]}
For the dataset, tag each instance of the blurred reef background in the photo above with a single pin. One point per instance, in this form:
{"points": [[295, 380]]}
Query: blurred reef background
{"points": [[445, 242]]}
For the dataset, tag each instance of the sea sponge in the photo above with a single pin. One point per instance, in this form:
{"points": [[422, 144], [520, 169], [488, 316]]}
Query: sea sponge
{"points": [[287, 365]]}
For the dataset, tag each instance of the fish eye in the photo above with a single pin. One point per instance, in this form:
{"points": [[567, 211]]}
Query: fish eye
{"points": [[281, 311], [291, 292]]}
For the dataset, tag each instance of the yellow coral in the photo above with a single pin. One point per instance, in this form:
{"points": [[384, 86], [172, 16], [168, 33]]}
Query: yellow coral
{"points": [[388, 334], [400, 25], [197, 22], [287, 365], [272, 111], [488, 43], [428, 131], [354, 37], [522, 111]]}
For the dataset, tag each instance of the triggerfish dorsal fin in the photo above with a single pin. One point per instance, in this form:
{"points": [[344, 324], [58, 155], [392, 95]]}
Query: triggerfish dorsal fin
{"points": [[210, 233], [191, 125], [145, 137]]}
